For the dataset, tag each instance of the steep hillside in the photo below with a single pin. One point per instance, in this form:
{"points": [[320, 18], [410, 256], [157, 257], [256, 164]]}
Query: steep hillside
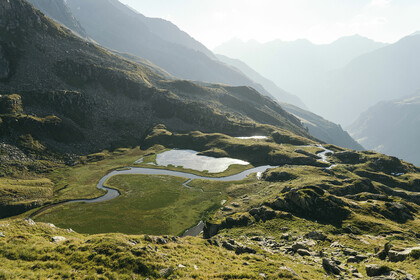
{"points": [[280, 94], [170, 32], [58, 10], [77, 97], [118, 27], [323, 129], [391, 127]]}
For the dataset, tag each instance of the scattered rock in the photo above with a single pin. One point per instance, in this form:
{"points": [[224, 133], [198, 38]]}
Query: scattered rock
{"points": [[262, 213], [58, 239], [232, 245], [2, 234], [336, 244], [181, 266], [257, 238], [30, 221], [376, 270], [303, 252], [227, 209], [165, 272], [357, 275], [299, 245], [356, 259], [330, 266], [288, 269], [395, 255], [236, 205], [285, 236], [384, 252], [349, 252], [211, 229], [316, 235], [195, 267]]}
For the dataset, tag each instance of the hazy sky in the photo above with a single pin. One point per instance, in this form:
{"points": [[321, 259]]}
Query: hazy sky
{"points": [[213, 22]]}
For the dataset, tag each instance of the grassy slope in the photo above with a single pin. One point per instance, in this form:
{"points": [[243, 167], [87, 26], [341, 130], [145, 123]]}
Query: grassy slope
{"points": [[27, 252], [367, 216]]}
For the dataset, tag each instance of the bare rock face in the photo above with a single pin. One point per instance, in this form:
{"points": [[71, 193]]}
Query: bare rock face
{"points": [[4, 65]]}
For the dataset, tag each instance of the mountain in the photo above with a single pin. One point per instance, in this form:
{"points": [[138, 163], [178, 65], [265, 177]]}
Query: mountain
{"points": [[168, 31], [74, 96], [120, 28], [278, 93], [387, 73], [391, 127], [59, 11], [300, 67], [320, 128], [323, 129]]}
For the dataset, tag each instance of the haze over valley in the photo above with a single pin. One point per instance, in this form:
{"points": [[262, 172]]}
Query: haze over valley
{"points": [[143, 140]]}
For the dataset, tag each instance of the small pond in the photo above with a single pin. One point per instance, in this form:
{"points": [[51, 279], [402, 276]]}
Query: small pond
{"points": [[190, 159]]}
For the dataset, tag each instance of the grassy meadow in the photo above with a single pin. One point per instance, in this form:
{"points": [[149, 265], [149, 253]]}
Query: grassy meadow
{"points": [[148, 204]]}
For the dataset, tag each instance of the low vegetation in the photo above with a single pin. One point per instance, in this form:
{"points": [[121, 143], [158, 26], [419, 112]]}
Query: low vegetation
{"points": [[148, 204], [364, 211]]}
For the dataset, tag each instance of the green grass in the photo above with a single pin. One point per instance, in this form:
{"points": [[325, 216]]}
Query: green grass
{"points": [[14, 191], [148, 204], [80, 182]]}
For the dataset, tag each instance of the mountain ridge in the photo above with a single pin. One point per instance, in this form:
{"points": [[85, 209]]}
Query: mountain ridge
{"points": [[389, 127], [70, 85], [118, 27], [301, 67]]}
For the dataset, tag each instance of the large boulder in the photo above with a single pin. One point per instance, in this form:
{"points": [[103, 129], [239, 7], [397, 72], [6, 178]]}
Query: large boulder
{"points": [[331, 266], [398, 255], [376, 270]]}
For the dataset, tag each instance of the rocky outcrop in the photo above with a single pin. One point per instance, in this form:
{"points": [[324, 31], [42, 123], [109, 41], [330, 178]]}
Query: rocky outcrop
{"points": [[376, 270], [314, 203], [399, 212], [349, 157], [389, 180], [10, 104], [275, 176], [330, 266], [4, 65], [359, 186], [281, 138], [211, 229]]}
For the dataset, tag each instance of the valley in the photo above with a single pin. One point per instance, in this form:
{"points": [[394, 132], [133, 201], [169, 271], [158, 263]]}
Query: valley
{"points": [[129, 150]]}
